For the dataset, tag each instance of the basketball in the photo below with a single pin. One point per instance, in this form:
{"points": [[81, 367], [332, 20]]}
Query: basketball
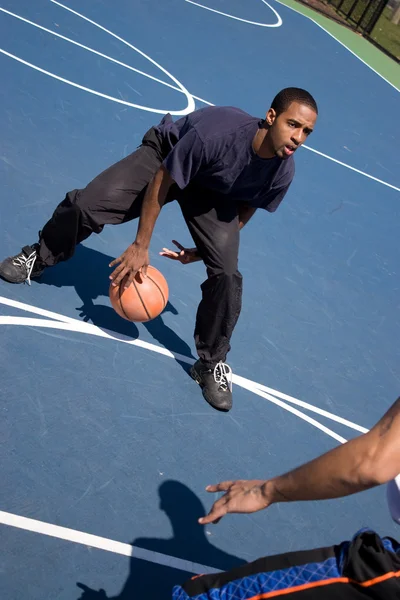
{"points": [[143, 300]]}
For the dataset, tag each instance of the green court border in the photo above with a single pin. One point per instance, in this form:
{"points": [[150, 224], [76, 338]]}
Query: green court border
{"points": [[367, 52]]}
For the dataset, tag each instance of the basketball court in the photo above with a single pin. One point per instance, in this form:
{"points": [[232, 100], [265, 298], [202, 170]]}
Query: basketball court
{"points": [[107, 443]]}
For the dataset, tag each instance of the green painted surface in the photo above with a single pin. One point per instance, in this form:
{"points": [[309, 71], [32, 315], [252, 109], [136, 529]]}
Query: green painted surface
{"points": [[376, 59]]}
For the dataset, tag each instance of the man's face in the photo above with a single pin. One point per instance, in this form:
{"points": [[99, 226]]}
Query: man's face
{"points": [[289, 130]]}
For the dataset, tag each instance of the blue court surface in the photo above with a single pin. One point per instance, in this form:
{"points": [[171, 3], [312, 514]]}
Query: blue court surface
{"points": [[106, 443]]}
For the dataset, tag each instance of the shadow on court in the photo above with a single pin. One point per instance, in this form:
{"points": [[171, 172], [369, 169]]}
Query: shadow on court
{"points": [[189, 542], [88, 272]]}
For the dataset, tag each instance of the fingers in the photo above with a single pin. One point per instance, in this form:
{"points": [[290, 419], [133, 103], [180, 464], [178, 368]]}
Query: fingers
{"points": [[220, 487], [169, 254], [178, 245], [116, 261], [129, 278], [218, 510], [118, 274], [143, 271]]}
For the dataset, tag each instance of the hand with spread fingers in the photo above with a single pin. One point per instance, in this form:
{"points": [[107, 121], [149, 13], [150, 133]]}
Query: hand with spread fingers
{"points": [[240, 497], [185, 255], [134, 259]]}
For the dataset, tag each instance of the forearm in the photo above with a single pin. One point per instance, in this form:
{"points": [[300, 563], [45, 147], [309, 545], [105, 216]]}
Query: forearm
{"points": [[371, 459], [153, 201], [343, 471]]}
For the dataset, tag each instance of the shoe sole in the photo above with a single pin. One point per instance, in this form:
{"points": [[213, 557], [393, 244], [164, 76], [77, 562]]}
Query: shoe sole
{"points": [[197, 378], [14, 281], [18, 281]]}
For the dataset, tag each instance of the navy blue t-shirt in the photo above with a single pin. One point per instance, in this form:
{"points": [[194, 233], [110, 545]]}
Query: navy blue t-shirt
{"points": [[212, 149]]}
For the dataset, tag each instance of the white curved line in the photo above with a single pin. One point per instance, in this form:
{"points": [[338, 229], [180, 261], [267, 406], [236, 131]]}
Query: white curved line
{"points": [[190, 107], [86, 89], [296, 412], [324, 413], [278, 24], [62, 322], [90, 329], [339, 42], [89, 49]]}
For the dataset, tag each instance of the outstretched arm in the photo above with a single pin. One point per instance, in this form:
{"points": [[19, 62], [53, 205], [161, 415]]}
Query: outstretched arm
{"points": [[136, 256], [362, 463]]}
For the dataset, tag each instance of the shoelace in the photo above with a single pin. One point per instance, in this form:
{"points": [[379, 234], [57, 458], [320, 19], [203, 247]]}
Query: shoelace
{"points": [[26, 261], [223, 376]]}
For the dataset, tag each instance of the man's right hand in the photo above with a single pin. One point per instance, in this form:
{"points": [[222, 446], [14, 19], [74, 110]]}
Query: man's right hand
{"points": [[135, 259]]}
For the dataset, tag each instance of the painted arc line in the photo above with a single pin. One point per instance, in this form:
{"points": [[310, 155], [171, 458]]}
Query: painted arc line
{"points": [[189, 97], [89, 90], [95, 541], [173, 87], [88, 48], [70, 324], [243, 381], [190, 106], [89, 329], [339, 42], [277, 24], [296, 412], [157, 111]]}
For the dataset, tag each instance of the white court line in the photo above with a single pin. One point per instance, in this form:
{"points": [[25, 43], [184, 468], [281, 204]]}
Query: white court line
{"points": [[95, 541], [88, 48], [182, 89], [296, 412], [190, 106], [69, 324], [339, 162], [339, 42], [277, 24], [335, 160], [93, 51]]}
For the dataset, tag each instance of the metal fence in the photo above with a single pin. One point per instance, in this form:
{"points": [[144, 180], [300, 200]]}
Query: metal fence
{"points": [[376, 20]]}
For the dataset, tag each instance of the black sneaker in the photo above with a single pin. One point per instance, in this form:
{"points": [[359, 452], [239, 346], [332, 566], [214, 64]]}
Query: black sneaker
{"points": [[23, 266], [216, 384]]}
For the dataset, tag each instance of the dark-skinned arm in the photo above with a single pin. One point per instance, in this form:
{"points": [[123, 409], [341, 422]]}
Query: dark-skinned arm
{"points": [[367, 461], [190, 255], [136, 256]]}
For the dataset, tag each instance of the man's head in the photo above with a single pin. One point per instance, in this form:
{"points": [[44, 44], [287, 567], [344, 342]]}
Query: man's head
{"points": [[289, 122]]}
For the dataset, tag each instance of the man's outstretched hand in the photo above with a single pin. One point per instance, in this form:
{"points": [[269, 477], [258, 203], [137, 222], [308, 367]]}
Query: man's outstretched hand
{"points": [[185, 255], [134, 259], [240, 497]]}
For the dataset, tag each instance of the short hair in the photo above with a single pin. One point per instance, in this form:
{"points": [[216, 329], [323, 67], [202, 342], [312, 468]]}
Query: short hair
{"points": [[284, 99]]}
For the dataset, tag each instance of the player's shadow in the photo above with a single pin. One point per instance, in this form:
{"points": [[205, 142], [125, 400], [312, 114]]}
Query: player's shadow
{"points": [[189, 542], [88, 272]]}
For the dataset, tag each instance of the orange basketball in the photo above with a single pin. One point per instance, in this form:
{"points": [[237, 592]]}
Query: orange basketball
{"points": [[143, 300]]}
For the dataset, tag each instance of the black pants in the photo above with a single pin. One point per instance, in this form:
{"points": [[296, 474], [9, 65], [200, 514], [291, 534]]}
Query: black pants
{"points": [[116, 196]]}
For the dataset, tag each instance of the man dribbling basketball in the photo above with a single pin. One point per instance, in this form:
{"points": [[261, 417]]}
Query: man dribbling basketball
{"points": [[221, 164]]}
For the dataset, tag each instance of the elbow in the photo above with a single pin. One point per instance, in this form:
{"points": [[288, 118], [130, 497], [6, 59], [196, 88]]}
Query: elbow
{"points": [[378, 467]]}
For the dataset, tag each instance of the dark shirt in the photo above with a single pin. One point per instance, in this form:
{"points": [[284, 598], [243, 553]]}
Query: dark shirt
{"points": [[212, 149]]}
